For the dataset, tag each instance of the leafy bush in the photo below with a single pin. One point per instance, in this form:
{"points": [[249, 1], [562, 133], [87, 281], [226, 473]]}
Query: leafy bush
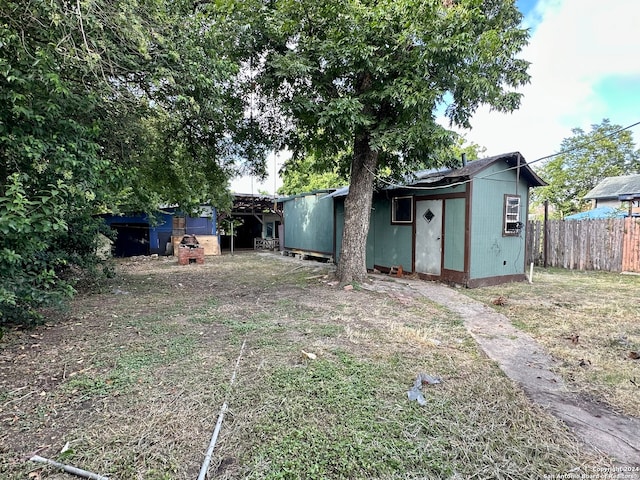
{"points": [[39, 247]]}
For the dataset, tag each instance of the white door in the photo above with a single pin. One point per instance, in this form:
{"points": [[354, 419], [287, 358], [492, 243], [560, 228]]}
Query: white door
{"points": [[428, 236]]}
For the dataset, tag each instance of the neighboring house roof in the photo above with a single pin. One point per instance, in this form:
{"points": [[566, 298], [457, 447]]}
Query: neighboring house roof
{"points": [[597, 213], [447, 176], [613, 187]]}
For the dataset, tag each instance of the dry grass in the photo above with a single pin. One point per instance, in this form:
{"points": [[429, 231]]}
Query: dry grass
{"points": [[134, 377], [589, 321]]}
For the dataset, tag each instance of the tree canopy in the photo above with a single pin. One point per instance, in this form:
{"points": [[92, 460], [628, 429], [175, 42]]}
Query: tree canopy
{"points": [[367, 78], [109, 106], [308, 175], [300, 175], [587, 158]]}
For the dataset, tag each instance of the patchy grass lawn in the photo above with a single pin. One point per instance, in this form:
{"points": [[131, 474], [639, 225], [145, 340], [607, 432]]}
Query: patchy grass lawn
{"points": [[133, 378], [590, 321]]}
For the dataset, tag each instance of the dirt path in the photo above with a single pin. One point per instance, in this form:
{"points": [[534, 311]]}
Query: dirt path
{"points": [[524, 361]]}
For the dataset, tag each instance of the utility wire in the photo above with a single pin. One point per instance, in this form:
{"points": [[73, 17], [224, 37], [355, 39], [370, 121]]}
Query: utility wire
{"points": [[585, 143], [577, 147], [546, 157]]}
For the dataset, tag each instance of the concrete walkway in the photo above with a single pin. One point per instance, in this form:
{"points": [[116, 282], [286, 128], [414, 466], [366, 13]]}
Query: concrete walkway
{"points": [[524, 361]]}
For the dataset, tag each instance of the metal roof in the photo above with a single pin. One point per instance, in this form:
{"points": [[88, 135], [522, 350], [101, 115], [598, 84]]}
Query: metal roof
{"points": [[447, 176], [473, 169], [246, 203], [321, 191], [612, 187]]}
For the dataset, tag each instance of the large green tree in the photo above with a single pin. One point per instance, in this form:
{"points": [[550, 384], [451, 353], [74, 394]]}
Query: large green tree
{"points": [[202, 132], [301, 175], [367, 77], [587, 158], [108, 105]]}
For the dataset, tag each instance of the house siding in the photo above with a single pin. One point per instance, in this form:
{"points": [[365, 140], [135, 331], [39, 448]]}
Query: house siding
{"points": [[387, 245], [454, 234], [492, 254], [390, 245], [473, 250], [309, 224]]}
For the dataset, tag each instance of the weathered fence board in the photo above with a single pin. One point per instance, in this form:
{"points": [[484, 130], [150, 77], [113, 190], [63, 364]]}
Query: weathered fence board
{"points": [[631, 247], [606, 244]]}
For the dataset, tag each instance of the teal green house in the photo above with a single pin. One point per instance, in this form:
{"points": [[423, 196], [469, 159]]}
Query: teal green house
{"points": [[464, 226]]}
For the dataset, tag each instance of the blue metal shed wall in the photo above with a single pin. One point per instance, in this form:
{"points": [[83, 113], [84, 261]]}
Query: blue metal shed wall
{"points": [[308, 223], [492, 254], [163, 223], [201, 225], [160, 233], [161, 228]]}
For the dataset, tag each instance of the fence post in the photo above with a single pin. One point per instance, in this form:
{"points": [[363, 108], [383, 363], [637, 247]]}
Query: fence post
{"points": [[545, 234]]}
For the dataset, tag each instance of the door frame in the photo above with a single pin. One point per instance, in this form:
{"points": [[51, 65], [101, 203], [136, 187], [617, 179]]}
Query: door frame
{"points": [[447, 275]]}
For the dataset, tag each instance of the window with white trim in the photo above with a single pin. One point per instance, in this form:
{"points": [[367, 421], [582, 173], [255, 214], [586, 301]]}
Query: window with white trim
{"points": [[402, 210], [511, 224]]}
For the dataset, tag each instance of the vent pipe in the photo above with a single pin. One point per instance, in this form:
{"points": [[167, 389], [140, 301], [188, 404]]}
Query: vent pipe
{"points": [[464, 160]]}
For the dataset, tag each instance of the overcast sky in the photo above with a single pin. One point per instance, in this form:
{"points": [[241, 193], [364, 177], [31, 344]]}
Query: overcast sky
{"points": [[585, 66]]}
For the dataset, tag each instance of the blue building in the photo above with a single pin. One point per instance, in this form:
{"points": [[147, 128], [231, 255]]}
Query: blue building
{"points": [[138, 234]]}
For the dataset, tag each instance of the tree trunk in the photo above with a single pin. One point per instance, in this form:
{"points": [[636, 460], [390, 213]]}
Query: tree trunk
{"points": [[352, 266]]}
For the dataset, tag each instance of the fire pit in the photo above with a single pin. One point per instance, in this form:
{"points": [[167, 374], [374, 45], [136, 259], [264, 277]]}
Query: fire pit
{"points": [[190, 251]]}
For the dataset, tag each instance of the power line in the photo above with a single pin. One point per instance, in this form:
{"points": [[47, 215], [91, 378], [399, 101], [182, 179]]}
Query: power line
{"points": [[585, 144], [546, 157], [563, 152]]}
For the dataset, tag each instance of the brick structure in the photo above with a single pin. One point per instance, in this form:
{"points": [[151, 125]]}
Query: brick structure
{"points": [[187, 255]]}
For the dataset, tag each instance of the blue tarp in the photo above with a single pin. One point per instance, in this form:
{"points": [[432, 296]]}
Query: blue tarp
{"points": [[597, 213]]}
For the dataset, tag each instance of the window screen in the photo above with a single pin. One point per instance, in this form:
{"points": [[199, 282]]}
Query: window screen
{"points": [[512, 224], [402, 210]]}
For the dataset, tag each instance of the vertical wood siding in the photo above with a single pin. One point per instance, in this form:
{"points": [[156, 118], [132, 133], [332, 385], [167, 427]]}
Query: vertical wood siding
{"points": [[631, 245], [608, 244]]}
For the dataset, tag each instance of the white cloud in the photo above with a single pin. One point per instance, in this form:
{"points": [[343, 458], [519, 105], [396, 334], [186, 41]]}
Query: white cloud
{"points": [[575, 44]]}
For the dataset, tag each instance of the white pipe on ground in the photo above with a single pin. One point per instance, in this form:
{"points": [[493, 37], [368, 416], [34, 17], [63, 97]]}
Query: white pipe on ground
{"points": [[68, 468], [214, 438]]}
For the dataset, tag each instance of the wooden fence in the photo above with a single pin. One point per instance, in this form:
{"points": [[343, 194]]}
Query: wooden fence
{"points": [[608, 244]]}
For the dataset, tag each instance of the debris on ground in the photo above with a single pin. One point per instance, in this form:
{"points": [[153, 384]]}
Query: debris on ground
{"points": [[634, 355], [415, 392], [309, 355], [396, 271], [622, 340], [575, 338], [500, 301]]}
